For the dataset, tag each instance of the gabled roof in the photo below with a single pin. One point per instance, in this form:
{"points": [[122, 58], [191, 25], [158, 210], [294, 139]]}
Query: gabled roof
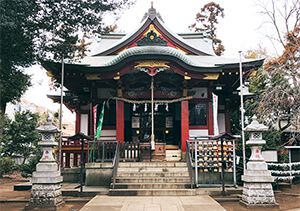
{"points": [[190, 43], [152, 40]]}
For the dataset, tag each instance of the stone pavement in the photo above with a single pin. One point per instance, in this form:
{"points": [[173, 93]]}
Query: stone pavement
{"points": [[152, 203]]}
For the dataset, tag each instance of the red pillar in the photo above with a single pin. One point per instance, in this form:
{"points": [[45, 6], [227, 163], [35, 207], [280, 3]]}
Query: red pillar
{"points": [[77, 123], [210, 118], [120, 121], [184, 124]]}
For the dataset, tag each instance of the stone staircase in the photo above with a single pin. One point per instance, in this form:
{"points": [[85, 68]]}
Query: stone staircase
{"points": [[152, 179]]}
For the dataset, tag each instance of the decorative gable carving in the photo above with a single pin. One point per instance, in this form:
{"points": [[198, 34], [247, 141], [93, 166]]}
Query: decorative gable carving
{"points": [[151, 38]]}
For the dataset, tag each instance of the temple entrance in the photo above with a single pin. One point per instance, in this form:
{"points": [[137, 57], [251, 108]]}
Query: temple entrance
{"points": [[166, 128], [161, 88], [166, 123]]}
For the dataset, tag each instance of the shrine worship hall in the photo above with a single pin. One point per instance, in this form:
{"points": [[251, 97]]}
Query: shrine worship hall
{"points": [[152, 96]]}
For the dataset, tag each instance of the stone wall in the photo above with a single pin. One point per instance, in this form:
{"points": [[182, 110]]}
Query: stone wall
{"points": [[72, 175], [98, 174], [214, 177]]}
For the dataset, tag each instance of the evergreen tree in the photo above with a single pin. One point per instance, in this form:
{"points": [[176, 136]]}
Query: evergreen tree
{"points": [[19, 137], [41, 29]]}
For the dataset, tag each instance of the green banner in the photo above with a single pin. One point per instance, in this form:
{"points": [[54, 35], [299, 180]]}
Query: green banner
{"points": [[100, 122], [98, 134]]}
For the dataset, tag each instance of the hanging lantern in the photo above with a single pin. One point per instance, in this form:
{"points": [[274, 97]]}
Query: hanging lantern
{"points": [[167, 107], [145, 107], [156, 107], [134, 107]]}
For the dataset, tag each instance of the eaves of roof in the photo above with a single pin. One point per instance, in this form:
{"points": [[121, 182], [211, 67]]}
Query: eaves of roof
{"points": [[189, 62]]}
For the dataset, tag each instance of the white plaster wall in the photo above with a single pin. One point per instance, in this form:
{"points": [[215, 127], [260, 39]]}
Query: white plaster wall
{"points": [[108, 135], [84, 120], [198, 132], [221, 122]]}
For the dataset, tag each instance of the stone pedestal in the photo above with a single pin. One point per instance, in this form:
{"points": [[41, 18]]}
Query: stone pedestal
{"points": [[257, 190], [46, 180]]}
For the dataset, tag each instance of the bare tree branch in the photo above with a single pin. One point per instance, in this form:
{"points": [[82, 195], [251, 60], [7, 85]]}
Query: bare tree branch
{"points": [[283, 18]]}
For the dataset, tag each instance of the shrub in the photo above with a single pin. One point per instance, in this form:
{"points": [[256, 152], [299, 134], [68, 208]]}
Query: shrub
{"points": [[7, 165], [28, 168]]}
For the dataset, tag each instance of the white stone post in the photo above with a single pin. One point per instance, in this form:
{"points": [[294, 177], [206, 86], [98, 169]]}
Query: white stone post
{"points": [[46, 180], [257, 190]]}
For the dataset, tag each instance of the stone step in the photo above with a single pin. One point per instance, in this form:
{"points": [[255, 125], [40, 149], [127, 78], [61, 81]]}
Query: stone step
{"points": [[151, 164], [183, 179], [173, 152], [152, 174], [173, 155], [173, 158], [151, 185], [152, 192], [153, 169], [88, 191]]}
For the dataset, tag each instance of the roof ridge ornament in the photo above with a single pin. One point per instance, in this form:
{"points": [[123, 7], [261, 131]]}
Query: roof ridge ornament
{"points": [[152, 14]]}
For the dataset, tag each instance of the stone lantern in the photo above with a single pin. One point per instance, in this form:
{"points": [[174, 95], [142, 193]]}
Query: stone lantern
{"points": [[257, 190], [46, 180]]}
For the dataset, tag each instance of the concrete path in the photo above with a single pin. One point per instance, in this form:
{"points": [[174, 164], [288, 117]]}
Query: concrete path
{"points": [[152, 203]]}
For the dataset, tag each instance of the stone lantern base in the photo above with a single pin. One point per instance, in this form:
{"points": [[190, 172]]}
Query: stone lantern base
{"points": [[258, 195], [46, 188], [257, 189], [45, 197]]}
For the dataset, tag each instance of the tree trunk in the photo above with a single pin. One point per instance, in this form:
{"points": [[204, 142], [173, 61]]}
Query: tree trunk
{"points": [[2, 112], [2, 107], [24, 160]]}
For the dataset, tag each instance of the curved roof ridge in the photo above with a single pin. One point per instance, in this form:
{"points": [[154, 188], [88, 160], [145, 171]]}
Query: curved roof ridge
{"points": [[150, 51], [146, 50]]}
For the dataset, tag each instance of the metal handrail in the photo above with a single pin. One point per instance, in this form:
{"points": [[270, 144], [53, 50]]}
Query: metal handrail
{"points": [[116, 164], [190, 164]]}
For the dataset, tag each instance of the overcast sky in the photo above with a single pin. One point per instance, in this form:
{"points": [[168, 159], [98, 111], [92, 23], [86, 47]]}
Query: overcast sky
{"points": [[241, 29]]}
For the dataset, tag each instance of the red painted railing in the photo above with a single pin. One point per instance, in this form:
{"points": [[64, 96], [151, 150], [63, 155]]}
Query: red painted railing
{"points": [[104, 151], [71, 152]]}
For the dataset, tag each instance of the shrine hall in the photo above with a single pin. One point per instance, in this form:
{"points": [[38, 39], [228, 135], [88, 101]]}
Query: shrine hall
{"points": [[157, 86]]}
